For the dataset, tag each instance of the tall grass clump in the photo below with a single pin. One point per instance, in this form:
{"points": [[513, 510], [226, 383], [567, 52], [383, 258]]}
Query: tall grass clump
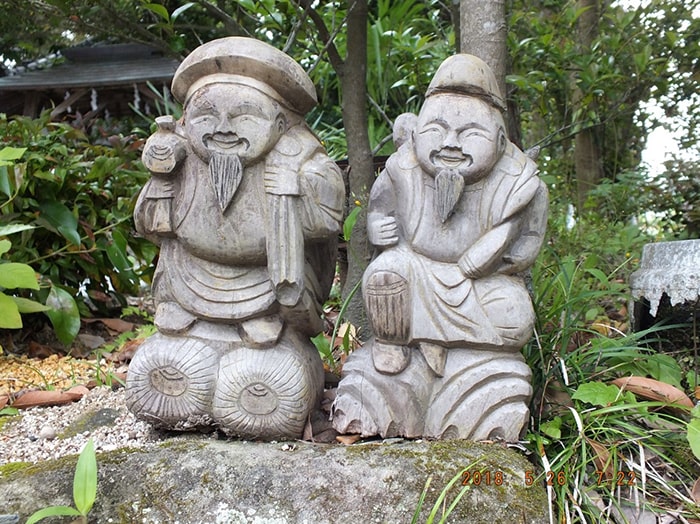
{"points": [[612, 430]]}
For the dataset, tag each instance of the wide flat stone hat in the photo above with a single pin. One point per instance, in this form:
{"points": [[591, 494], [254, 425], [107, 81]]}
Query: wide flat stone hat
{"points": [[246, 61], [468, 75]]}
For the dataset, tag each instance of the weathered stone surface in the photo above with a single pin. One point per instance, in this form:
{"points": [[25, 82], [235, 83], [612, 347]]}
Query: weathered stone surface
{"points": [[191, 480], [457, 216], [246, 207], [668, 268]]}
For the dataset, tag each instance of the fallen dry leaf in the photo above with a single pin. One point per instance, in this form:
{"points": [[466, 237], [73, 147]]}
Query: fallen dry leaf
{"points": [[36, 350], [347, 439], [602, 459], [654, 390], [114, 325], [4, 399], [695, 492], [32, 399]]}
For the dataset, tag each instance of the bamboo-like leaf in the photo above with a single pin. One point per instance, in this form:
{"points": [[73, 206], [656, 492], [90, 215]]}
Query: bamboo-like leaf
{"points": [[85, 480], [53, 511]]}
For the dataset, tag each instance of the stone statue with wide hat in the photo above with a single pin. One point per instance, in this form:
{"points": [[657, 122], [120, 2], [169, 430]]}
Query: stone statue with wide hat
{"points": [[457, 217], [246, 207]]}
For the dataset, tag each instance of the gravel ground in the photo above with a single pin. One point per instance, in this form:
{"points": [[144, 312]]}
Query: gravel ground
{"points": [[39, 434]]}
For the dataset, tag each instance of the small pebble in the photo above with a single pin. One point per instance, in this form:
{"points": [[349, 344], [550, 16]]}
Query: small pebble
{"points": [[47, 433]]}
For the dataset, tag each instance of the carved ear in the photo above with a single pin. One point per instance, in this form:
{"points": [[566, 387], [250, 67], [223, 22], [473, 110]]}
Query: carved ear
{"points": [[502, 140], [281, 123], [404, 125]]}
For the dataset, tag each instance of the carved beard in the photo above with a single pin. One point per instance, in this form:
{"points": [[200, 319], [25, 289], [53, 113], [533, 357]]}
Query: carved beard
{"points": [[449, 187], [225, 173]]}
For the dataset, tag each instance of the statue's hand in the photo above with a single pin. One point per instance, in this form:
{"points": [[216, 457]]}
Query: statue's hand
{"points": [[281, 181], [383, 231], [468, 267]]}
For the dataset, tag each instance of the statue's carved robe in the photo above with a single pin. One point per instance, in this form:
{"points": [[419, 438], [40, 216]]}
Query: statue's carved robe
{"points": [[498, 224], [216, 267]]}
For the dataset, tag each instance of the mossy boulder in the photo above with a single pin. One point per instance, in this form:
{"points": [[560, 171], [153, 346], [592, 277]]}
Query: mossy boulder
{"points": [[193, 480]]}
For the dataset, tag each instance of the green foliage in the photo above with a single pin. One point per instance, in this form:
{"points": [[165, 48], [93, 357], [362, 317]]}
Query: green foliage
{"points": [[84, 489], [60, 306], [71, 202], [593, 439], [694, 432]]}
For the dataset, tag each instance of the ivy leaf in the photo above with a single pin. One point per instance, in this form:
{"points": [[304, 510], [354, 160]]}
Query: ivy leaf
{"points": [[597, 393], [63, 314]]}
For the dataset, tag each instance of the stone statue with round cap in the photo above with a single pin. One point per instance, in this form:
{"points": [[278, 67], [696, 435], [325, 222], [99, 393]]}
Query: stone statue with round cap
{"points": [[456, 217], [246, 206]]}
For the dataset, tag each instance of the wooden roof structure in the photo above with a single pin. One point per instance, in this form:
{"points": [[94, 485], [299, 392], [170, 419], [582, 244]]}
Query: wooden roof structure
{"points": [[91, 81]]}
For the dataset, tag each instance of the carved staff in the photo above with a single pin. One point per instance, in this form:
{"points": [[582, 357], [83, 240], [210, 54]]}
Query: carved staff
{"points": [[285, 237]]}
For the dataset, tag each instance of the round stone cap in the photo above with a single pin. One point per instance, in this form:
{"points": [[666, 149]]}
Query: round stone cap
{"points": [[246, 58], [468, 75]]}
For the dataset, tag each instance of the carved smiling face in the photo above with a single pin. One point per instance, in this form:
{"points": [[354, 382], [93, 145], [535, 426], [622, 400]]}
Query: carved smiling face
{"points": [[232, 119], [459, 133]]}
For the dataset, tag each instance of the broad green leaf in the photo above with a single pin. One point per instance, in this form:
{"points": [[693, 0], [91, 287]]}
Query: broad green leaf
{"points": [[694, 436], [9, 411], [14, 228], [5, 246], [29, 306], [597, 393], [64, 314], [11, 153], [159, 10], [552, 428], [62, 219], [85, 480], [5, 181], [53, 511], [322, 345], [14, 275], [9, 313]]}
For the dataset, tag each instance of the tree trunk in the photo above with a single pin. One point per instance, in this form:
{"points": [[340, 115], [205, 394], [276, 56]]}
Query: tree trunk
{"points": [[361, 167], [483, 33], [588, 162]]}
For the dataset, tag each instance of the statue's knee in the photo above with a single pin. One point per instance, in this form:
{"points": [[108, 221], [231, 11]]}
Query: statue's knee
{"points": [[388, 301]]}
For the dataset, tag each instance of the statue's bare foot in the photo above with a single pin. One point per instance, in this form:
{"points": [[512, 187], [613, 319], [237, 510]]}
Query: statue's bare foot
{"points": [[390, 359], [435, 356]]}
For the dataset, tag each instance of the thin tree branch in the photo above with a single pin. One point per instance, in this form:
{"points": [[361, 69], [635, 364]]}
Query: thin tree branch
{"points": [[329, 47], [231, 25]]}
